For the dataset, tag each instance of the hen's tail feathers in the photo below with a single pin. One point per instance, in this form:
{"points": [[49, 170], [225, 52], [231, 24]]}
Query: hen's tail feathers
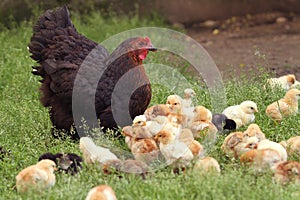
{"points": [[51, 22]]}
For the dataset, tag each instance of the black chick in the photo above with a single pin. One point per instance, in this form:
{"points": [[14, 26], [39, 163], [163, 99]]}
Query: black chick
{"points": [[70, 162]]}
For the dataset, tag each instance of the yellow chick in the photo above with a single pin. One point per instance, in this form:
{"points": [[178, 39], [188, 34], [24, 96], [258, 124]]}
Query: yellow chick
{"points": [[284, 107], [207, 165], [175, 103], [286, 172], [95, 154], [201, 124], [176, 153], [292, 145], [285, 82], [39, 176], [254, 130], [268, 144], [262, 159], [242, 114], [176, 116], [101, 192]]}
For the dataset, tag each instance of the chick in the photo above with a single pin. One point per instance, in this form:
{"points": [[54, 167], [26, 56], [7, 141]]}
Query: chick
{"points": [[69, 163], [235, 144], [242, 114], [222, 123], [207, 165], [254, 130], [175, 152], [186, 136], [95, 154], [292, 145], [268, 144], [284, 107], [176, 117], [261, 159], [144, 150], [101, 192], [174, 102], [127, 166], [286, 172], [157, 110], [285, 82], [187, 101], [140, 128], [201, 124], [38, 177]]}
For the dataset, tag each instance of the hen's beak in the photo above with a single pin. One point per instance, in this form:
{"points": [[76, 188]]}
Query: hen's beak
{"points": [[152, 49]]}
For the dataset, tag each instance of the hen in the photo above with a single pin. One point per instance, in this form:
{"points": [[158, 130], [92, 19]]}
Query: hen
{"points": [[63, 54]]}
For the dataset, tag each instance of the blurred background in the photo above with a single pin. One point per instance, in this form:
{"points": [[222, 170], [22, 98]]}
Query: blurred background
{"points": [[238, 34]]}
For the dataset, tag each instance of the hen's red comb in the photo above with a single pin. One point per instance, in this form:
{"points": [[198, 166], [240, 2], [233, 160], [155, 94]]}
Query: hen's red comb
{"points": [[147, 39]]}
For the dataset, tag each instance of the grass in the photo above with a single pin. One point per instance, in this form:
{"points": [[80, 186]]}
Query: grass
{"points": [[25, 130]]}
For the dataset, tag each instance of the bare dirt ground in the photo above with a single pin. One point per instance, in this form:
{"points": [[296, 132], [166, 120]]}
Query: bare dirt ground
{"points": [[271, 40]]}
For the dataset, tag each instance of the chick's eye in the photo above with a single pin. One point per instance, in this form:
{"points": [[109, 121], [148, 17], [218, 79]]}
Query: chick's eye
{"points": [[251, 108], [175, 104]]}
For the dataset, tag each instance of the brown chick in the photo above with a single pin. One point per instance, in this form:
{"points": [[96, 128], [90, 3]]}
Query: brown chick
{"points": [[38, 177], [262, 159], [101, 192], [207, 165], [284, 107], [286, 172], [235, 144], [285, 82], [254, 130], [145, 150], [157, 110]]}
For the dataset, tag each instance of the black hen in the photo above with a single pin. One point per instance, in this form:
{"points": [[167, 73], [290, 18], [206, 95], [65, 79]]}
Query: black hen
{"points": [[79, 76]]}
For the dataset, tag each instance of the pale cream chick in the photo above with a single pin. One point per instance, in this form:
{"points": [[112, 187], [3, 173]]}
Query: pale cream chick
{"points": [[287, 172], [207, 165], [268, 144], [262, 159], [176, 153], [285, 82], [187, 101], [94, 154], [101, 192], [284, 107], [187, 104], [242, 114], [38, 177]]}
